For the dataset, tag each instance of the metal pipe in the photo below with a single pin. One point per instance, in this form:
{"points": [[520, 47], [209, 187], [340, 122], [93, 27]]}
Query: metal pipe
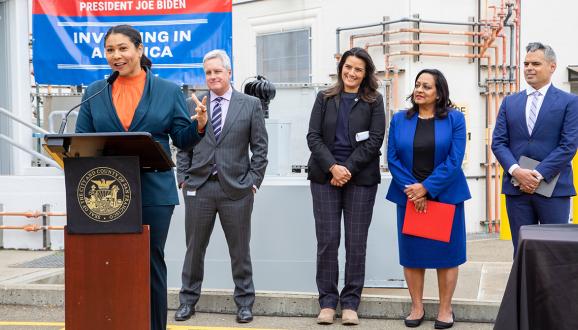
{"points": [[1, 224], [407, 19], [31, 152], [395, 89], [32, 214], [46, 241], [479, 38], [423, 42], [402, 20], [438, 54], [37, 112], [509, 14], [512, 52], [414, 30], [495, 161], [338, 47], [31, 126], [511, 26], [489, 212], [33, 227]]}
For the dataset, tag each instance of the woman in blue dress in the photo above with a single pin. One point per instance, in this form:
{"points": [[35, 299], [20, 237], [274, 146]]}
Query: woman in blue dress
{"points": [[425, 151]]}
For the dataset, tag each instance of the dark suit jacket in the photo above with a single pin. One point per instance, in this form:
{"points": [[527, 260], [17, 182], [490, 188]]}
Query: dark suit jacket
{"points": [[161, 112], [244, 128], [447, 183], [363, 163], [553, 141]]}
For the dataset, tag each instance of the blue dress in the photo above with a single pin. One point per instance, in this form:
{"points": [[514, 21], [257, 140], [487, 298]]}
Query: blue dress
{"points": [[418, 252], [444, 181]]}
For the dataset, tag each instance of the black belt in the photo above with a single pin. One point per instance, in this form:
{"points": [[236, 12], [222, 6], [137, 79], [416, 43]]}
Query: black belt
{"points": [[213, 177]]}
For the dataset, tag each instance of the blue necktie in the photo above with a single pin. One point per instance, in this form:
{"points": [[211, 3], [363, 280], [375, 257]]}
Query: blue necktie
{"points": [[216, 119]]}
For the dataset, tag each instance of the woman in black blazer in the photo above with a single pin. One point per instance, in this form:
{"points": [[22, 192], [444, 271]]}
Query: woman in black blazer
{"points": [[346, 131]]}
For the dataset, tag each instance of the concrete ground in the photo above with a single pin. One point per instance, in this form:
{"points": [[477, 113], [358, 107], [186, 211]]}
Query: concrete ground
{"points": [[51, 318], [25, 294], [482, 278]]}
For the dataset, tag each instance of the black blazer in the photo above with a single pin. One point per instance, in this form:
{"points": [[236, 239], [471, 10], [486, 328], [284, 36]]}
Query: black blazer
{"points": [[363, 163]]}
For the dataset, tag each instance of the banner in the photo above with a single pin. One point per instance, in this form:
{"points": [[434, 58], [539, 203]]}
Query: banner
{"points": [[68, 37]]}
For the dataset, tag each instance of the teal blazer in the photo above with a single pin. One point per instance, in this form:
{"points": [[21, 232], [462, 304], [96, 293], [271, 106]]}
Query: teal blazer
{"points": [[162, 112], [447, 183]]}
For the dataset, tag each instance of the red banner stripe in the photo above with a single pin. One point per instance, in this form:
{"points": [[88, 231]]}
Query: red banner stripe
{"points": [[91, 8]]}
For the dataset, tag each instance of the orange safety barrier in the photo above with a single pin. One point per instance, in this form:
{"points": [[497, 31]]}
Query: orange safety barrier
{"points": [[33, 214], [33, 227]]}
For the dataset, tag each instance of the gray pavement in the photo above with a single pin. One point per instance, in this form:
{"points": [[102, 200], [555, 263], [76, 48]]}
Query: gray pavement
{"points": [[40, 318], [479, 291]]}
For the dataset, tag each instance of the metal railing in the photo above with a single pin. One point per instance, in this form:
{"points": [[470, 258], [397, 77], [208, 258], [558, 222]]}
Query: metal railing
{"points": [[22, 147], [45, 227]]}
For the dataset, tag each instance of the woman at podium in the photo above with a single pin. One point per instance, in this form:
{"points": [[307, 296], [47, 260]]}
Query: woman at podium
{"points": [[425, 151], [138, 101]]}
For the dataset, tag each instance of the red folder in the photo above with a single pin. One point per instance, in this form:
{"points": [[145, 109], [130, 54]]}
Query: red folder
{"points": [[435, 223]]}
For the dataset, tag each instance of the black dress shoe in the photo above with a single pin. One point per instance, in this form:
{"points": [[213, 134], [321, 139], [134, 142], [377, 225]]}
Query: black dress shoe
{"points": [[184, 312], [444, 325], [414, 323], [244, 315]]}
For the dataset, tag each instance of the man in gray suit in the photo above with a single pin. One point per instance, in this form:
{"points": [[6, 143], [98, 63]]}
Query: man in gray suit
{"points": [[218, 177]]}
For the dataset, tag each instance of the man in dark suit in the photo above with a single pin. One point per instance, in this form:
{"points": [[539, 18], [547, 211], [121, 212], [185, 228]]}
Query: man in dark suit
{"points": [[541, 123], [219, 178]]}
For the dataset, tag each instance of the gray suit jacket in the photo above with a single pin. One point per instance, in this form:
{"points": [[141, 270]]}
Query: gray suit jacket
{"points": [[244, 128]]}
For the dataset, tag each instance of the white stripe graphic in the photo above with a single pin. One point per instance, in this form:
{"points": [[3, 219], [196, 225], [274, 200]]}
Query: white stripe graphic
{"points": [[105, 66], [136, 23]]}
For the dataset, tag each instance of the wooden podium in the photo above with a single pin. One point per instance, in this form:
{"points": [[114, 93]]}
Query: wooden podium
{"points": [[106, 260]]}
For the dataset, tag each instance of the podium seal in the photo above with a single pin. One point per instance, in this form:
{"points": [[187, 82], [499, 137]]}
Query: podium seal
{"points": [[103, 194]]}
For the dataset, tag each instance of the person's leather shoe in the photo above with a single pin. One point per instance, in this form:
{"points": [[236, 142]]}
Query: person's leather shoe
{"points": [[349, 317], [444, 325], [326, 316], [415, 322], [244, 315], [184, 312]]}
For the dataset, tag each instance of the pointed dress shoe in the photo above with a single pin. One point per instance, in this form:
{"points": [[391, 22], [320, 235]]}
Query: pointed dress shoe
{"points": [[415, 322], [444, 325], [244, 315], [184, 312]]}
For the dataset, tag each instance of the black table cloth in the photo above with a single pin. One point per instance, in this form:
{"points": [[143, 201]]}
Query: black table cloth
{"points": [[542, 290]]}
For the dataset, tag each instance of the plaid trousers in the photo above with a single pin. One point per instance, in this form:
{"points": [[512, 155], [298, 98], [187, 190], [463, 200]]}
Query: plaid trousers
{"points": [[356, 204]]}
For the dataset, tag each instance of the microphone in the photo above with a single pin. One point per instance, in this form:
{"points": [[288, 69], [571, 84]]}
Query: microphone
{"points": [[109, 82]]}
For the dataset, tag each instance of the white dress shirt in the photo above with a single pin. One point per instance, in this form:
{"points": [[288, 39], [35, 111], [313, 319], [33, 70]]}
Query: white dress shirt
{"points": [[224, 103]]}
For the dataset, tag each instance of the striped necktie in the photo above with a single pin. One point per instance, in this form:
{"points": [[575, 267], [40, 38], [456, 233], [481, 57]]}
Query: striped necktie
{"points": [[533, 115], [216, 119]]}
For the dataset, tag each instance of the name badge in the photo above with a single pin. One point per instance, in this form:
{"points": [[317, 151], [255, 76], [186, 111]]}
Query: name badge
{"points": [[362, 136], [191, 193]]}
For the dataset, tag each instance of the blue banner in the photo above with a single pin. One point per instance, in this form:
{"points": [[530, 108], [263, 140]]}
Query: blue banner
{"points": [[68, 37]]}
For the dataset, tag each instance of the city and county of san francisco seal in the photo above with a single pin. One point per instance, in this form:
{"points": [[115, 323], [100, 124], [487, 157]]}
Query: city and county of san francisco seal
{"points": [[103, 194]]}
